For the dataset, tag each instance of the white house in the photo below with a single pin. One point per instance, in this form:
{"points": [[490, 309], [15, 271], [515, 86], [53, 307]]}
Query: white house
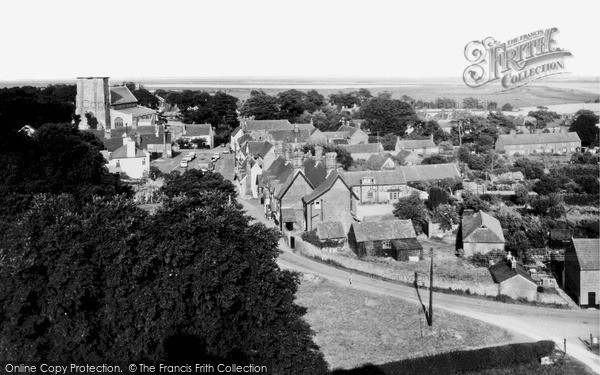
{"points": [[129, 159]]}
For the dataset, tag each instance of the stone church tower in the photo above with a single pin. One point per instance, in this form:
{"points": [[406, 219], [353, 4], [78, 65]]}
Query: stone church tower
{"points": [[93, 97]]}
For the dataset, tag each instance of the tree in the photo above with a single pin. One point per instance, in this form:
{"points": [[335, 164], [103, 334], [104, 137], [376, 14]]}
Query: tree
{"points": [[446, 216], [585, 125], [109, 283], [388, 115], [543, 116], [531, 169], [146, 98], [547, 184], [194, 183], [129, 85], [412, 208], [507, 107], [473, 202], [261, 106]]}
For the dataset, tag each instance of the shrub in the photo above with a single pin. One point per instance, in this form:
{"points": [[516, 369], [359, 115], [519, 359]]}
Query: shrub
{"points": [[313, 239]]}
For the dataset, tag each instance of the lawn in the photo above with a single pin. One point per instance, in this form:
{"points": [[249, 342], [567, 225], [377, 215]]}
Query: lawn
{"points": [[355, 327]]}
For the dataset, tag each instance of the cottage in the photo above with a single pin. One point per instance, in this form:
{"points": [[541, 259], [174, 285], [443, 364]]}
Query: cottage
{"points": [[513, 280], [582, 271], [481, 233], [355, 135], [380, 162], [420, 146], [203, 132], [389, 238], [543, 143], [331, 231], [363, 151], [332, 201], [128, 159]]}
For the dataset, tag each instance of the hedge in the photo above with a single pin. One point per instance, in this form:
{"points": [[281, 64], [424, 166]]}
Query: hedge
{"points": [[580, 199], [461, 361]]}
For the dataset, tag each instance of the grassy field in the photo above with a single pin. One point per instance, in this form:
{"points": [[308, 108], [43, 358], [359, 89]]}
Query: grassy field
{"points": [[355, 327]]}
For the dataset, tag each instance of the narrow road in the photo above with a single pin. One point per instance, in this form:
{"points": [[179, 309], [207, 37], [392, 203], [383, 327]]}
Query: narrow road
{"points": [[535, 323]]}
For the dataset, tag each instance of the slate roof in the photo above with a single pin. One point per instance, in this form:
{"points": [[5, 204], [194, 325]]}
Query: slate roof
{"points": [[502, 271], [528, 139], [292, 176], [152, 139], [383, 230], [394, 177], [121, 153], [111, 144], [267, 125], [430, 172], [588, 253], [330, 230], [337, 135], [363, 148], [315, 172], [325, 187], [121, 95], [482, 228], [197, 130], [259, 148], [243, 139], [414, 143], [303, 135]]}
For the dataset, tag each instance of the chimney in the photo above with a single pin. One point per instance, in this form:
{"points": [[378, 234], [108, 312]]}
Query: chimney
{"points": [[278, 149], [513, 263], [431, 137], [468, 212], [330, 162], [296, 128], [298, 161], [130, 148], [184, 130], [288, 152], [138, 139], [318, 153], [311, 121], [156, 131]]}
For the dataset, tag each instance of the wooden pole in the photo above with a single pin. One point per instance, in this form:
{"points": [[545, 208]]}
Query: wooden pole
{"points": [[431, 287]]}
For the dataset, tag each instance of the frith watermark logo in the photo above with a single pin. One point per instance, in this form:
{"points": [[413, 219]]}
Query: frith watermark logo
{"points": [[516, 62]]}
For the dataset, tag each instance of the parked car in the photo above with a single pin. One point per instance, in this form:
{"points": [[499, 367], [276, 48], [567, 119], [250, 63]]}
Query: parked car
{"points": [[183, 164], [226, 151], [216, 155]]}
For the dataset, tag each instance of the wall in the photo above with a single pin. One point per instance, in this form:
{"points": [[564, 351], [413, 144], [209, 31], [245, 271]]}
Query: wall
{"points": [[133, 167], [518, 287], [127, 119], [293, 197], [335, 206], [93, 96], [472, 248], [590, 282]]}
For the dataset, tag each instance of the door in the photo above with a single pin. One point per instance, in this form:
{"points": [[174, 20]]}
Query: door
{"points": [[592, 299], [292, 242]]}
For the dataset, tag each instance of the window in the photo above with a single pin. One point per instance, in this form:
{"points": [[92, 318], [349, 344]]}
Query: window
{"points": [[143, 161], [386, 244], [118, 164], [118, 122], [367, 181], [317, 205], [370, 194], [393, 195]]}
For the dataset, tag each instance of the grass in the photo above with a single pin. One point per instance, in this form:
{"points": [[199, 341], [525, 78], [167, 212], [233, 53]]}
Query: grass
{"points": [[355, 327]]}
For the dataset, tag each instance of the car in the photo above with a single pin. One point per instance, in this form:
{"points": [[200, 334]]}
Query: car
{"points": [[222, 144], [183, 164], [226, 151], [214, 159], [191, 156], [216, 155]]}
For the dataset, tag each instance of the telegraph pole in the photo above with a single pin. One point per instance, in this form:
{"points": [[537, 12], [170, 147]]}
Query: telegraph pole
{"points": [[431, 287]]}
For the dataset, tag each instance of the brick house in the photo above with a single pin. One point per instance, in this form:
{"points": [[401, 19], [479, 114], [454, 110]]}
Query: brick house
{"points": [[582, 271], [542, 143], [332, 201], [480, 233], [388, 238], [513, 280]]}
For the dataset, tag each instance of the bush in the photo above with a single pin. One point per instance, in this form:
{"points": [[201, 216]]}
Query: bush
{"points": [[580, 199], [313, 239], [462, 361]]}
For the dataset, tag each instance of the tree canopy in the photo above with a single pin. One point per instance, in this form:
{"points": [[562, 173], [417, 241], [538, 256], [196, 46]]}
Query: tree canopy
{"points": [[585, 125], [388, 115]]}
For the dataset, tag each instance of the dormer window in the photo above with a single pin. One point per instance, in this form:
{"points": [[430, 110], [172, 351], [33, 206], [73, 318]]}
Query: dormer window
{"points": [[368, 181]]}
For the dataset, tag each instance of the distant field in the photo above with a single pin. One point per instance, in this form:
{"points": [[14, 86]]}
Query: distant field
{"points": [[355, 327]]}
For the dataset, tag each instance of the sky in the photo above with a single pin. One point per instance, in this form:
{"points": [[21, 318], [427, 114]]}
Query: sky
{"points": [[175, 38]]}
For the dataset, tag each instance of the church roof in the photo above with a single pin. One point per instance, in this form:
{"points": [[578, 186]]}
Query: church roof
{"points": [[121, 95], [135, 111]]}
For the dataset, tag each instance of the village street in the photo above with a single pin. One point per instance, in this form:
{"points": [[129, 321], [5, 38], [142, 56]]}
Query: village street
{"points": [[525, 322]]}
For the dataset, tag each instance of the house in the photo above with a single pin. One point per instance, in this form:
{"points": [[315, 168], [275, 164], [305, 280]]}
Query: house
{"points": [[431, 172], [380, 162], [543, 143], [481, 233], [263, 152], [337, 137], [247, 175], [128, 159], [390, 238], [513, 280], [363, 151], [331, 201], [102, 107], [420, 146], [355, 135], [203, 132], [152, 139], [582, 271]]}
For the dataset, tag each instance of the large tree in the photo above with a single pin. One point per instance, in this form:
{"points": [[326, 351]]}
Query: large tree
{"points": [[388, 116], [414, 209], [261, 106], [196, 282], [585, 124]]}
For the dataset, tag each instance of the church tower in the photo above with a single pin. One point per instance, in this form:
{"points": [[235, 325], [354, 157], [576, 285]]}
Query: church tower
{"points": [[93, 97]]}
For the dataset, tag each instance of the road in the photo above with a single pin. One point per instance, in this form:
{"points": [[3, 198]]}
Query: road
{"points": [[224, 165], [526, 322]]}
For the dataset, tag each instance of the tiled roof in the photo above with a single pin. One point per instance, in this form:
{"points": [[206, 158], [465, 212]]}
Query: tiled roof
{"points": [[394, 177], [121, 95], [135, 111], [414, 143], [527, 139], [377, 161], [325, 186], [350, 129], [337, 135], [197, 130], [330, 230], [111, 144], [588, 253], [339, 141], [303, 135], [502, 271], [407, 244], [121, 153], [235, 131], [267, 125], [259, 148], [243, 139], [482, 228], [430, 172], [383, 230], [363, 148], [315, 172], [292, 176], [152, 139]]}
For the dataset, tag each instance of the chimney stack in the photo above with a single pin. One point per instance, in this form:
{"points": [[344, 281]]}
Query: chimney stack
{"points": [[296, 128], [330, 162], [278, 149], [288, 152], [318, 153], [298, 161], [130, 148]]}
